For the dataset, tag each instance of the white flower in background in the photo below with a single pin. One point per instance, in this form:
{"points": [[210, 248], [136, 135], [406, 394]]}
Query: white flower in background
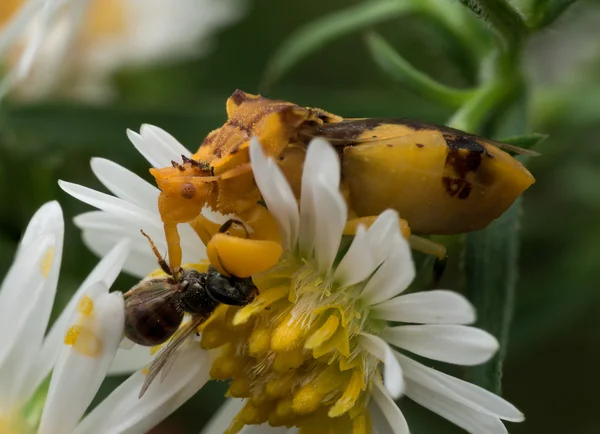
{"points": [[78, 349], [309, 349], [73, 46]]}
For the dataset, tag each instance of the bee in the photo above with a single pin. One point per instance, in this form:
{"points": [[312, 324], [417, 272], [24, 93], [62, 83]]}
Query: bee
{"points": [[155, 308], [440, 180]]}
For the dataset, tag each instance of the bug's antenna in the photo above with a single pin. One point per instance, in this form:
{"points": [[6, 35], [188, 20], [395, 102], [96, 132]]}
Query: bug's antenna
{"points": [[161, 260]]}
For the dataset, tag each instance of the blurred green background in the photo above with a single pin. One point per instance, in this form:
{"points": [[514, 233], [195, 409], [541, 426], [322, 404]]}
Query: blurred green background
{"points": [[554, 349]]}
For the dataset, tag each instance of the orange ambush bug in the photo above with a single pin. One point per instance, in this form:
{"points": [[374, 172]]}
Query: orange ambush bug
{"points": [[440, 180]]}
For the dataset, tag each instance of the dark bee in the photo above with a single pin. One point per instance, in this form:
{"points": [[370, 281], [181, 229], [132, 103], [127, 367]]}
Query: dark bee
{"points": [[155, 308]]}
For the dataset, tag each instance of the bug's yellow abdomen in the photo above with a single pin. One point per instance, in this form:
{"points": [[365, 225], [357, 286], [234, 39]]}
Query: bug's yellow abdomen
{"points": [[439, 182]]}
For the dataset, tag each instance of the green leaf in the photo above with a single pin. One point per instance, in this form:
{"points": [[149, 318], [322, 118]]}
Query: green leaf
{"points": [[316, 34], [526, 141], [491, 260], [399, 69]]}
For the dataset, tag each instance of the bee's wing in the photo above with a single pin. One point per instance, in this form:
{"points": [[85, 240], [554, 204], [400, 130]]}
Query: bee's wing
{"points": [[148, 290], [166, 353], [365, 130]]}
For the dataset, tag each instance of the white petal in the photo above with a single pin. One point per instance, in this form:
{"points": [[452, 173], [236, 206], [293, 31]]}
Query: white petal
{"points": [[384, 229], [368, 250], [386, 415], [126, 184], [124, 412], [224, 416], [358, 263], [321, 167], [465, 417], [426, 307], [392, 373], [157, 146], [394, 275], [459, 390], [277, 194], [322, 161], [108, 203], [458, 344], [330, 218], [106, 273], [80, 370], [48, 219], [129, 226], [26, 299], [138, 263], [130, 360]]}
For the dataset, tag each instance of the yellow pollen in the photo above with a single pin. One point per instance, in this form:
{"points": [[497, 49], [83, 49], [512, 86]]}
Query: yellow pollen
{"points": [[85, 306], [259, 342], [292, 353], [239, 388], [71, 335], [46, 263], [287, 336], [83, 340]]}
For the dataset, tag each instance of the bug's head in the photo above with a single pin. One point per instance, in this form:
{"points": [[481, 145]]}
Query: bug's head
{"points": [[186, 180]]}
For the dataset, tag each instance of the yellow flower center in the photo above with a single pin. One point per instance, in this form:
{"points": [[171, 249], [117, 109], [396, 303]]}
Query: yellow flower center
{"points": [[292, 353]]}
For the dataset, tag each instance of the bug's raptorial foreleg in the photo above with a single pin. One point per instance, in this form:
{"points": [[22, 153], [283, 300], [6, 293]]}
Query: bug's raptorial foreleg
{"points": [[241, 247], [173, 246], [353, 224]]}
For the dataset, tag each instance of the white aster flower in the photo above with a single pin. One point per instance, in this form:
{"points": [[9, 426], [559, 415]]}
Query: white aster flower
{"points": [[73, 46], [309, 349], [340, 321], [134, 206], [78, 349]]}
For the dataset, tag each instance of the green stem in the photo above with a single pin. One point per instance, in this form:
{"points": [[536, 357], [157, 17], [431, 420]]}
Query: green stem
{"points": [[471, 115], [504, 20]]}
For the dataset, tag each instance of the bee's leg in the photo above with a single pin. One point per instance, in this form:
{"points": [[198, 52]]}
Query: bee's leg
{"points": [[353, 223]]}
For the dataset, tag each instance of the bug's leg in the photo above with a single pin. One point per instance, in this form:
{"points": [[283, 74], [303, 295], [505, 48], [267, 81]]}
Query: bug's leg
{"points": [[417, 243], [263, 224], [425, 245], [353, 223], [174, 210], [234, 249], [242, 257]]}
